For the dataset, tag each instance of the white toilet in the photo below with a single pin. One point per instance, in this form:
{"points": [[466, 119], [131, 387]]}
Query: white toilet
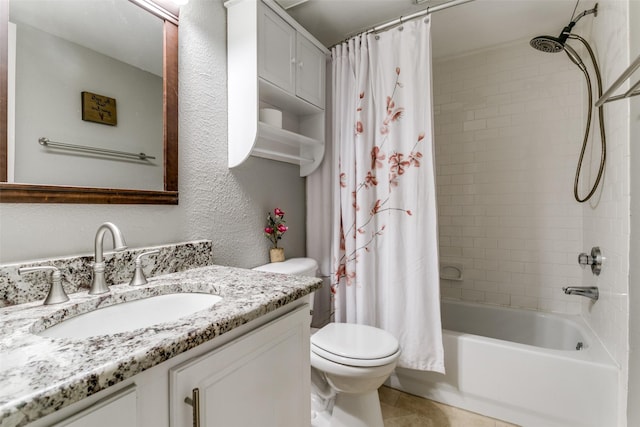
{"points": [[354, 360]]}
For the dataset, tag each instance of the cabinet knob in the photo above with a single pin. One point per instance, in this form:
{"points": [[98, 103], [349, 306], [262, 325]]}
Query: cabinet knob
{"points": [[194, 402], [293, 60], [300, 64]]}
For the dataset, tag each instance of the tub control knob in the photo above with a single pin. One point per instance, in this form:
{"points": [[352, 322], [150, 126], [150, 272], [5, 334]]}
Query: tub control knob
{"points": [[594, 260]]}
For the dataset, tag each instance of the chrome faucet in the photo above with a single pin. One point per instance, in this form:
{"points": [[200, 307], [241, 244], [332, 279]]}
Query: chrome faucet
{"points": [[98, 283], [585, 291]]}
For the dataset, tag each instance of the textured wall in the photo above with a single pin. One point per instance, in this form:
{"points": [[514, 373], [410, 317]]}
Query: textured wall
{"points": [[225, 206], [508, 132]]}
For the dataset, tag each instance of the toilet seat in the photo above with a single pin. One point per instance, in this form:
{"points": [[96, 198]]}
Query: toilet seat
{"points": [[355, 345]]}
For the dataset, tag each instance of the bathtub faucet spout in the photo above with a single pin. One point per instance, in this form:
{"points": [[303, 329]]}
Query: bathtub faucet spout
{"points": [[585, 291]]}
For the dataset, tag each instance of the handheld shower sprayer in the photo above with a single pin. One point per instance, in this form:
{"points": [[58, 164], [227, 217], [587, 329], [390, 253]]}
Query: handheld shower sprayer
{"points": [[550, 44], [575, 58]]}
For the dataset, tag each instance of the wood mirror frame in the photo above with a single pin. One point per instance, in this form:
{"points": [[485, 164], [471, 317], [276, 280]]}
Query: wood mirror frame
{"points": [[35, 193]]}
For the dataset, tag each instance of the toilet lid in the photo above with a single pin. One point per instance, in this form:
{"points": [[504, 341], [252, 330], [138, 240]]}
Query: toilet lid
{"points": [[352, 344]]}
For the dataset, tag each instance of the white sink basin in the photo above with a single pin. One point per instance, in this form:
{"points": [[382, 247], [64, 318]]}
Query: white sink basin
{"points": [[131, 315]]}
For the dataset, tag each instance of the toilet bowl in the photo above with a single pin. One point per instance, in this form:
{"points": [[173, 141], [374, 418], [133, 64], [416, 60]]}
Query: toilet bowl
{"points": [[356, 360], [353, 361]]}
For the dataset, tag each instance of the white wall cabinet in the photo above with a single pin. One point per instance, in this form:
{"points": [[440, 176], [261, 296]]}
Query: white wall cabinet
{"points": [[310, 72], [276, 50], [274, 63], [255, 375], [289, 60]]}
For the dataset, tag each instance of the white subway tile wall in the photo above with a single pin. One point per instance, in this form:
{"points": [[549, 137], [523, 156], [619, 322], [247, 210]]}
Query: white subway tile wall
{"points": [[607, 217], [508, 130]]}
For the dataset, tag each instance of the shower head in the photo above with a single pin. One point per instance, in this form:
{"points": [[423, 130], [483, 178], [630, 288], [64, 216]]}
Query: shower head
{"points": [[550, 44], [547, 44]]}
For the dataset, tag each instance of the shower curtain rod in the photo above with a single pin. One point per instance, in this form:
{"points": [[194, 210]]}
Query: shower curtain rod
{"points": [[429, 10]]}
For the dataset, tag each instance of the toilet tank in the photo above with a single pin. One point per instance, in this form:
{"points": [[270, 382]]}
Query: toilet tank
{"points": [[296, 266]]}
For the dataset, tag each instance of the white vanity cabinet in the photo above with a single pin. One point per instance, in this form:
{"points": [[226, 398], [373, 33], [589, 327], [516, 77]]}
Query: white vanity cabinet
{"points": [[119, 409], [257, 374], [273, 62], [255, 380]]}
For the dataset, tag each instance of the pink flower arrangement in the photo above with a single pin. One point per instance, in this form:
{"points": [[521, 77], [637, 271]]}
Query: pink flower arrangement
{"points": [[275, 226]]}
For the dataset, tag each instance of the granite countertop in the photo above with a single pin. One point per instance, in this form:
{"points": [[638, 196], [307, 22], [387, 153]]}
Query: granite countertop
{"points": [[40, 375]]}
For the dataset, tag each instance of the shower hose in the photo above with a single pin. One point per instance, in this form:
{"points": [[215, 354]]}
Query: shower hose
{"points": [[603, 138]]}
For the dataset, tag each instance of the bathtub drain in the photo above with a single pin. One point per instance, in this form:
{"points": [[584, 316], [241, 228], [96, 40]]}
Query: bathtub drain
{"points": [[579, 346]]}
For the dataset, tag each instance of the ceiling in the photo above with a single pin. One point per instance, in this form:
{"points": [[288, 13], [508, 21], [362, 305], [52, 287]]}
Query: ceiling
{"points": [[466, 27]]}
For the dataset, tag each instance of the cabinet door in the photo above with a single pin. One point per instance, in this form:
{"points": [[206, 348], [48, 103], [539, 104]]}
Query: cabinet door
{"points": [[276, 50], [310, 64], [116, 410], [260, 379]]}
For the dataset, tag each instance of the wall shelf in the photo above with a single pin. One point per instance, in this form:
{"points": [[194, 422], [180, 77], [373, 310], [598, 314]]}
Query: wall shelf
{"points": [[285, 146], [286, 137], [280, 156], [285, 101]]}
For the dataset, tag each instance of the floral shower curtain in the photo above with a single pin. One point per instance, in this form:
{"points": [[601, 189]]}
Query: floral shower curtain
{"points": [[385, 251]]}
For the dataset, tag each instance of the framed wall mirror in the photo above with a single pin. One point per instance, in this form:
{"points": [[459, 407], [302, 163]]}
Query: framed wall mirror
{"points": [[89, 114]]}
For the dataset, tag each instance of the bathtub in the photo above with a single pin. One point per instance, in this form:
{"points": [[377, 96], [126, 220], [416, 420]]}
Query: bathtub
{"points": [[520, 366]]}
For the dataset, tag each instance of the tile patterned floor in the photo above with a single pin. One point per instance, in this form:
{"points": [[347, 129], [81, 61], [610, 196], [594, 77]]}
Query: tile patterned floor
{"points": [[404, 410]]}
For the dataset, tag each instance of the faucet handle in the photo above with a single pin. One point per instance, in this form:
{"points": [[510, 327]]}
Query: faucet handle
{"points": [[56, 293], [595, 260], [138, 275]]}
